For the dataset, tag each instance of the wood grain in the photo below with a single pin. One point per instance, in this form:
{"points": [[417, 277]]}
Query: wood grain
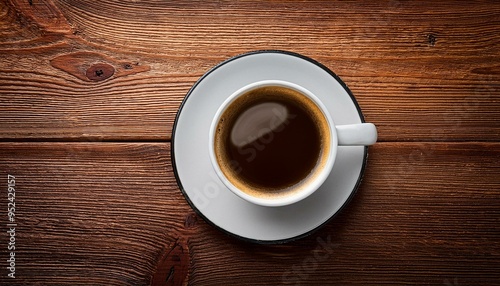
{"points": [[94, 214], [421, 71], [426, 214], [111, 214], [89, 91]]}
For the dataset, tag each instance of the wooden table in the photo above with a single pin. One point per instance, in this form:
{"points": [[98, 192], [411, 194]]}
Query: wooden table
{"points": [[89, 91]]}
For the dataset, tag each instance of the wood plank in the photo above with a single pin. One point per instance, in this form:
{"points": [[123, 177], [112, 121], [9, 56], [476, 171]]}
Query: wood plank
{"points": [[419, 73], [94, 214], [426, 214], [111, 214]]}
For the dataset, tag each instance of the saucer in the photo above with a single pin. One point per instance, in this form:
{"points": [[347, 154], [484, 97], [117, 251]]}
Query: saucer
{"points": [[206, 193]]}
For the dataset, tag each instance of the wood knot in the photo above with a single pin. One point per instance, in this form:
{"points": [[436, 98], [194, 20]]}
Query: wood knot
{"points": [[95, 67], [190, 220], [101, 71], [172, 268], [431, 39]]}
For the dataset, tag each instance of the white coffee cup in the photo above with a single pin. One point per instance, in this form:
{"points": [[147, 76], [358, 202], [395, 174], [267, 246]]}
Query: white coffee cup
{"points": [[362, 134]]}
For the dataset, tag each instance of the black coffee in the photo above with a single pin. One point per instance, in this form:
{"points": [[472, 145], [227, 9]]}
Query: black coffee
{"points": [[270, 140]]}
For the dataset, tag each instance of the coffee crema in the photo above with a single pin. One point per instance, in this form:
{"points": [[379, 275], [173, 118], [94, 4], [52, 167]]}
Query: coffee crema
{"points": [[271, 141]]}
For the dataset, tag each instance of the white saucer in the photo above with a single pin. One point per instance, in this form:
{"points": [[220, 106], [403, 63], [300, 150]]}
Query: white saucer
{"points": [[208, 196]]}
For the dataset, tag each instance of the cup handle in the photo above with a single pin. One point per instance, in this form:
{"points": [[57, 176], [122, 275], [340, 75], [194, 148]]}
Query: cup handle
{"points": [[362, 134]]}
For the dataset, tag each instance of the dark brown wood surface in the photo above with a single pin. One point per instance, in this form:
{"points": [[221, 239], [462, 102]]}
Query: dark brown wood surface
{"points": [[89, 91]]}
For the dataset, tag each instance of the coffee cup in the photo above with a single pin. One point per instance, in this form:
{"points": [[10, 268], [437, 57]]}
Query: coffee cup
{"points": [[274, 143]]}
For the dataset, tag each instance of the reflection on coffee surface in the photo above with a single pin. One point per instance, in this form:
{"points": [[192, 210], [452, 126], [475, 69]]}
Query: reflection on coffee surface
{"points": [[271, 139]]}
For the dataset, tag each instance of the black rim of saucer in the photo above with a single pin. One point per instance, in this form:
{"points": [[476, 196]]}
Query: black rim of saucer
{"points": [[172, 152]]}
